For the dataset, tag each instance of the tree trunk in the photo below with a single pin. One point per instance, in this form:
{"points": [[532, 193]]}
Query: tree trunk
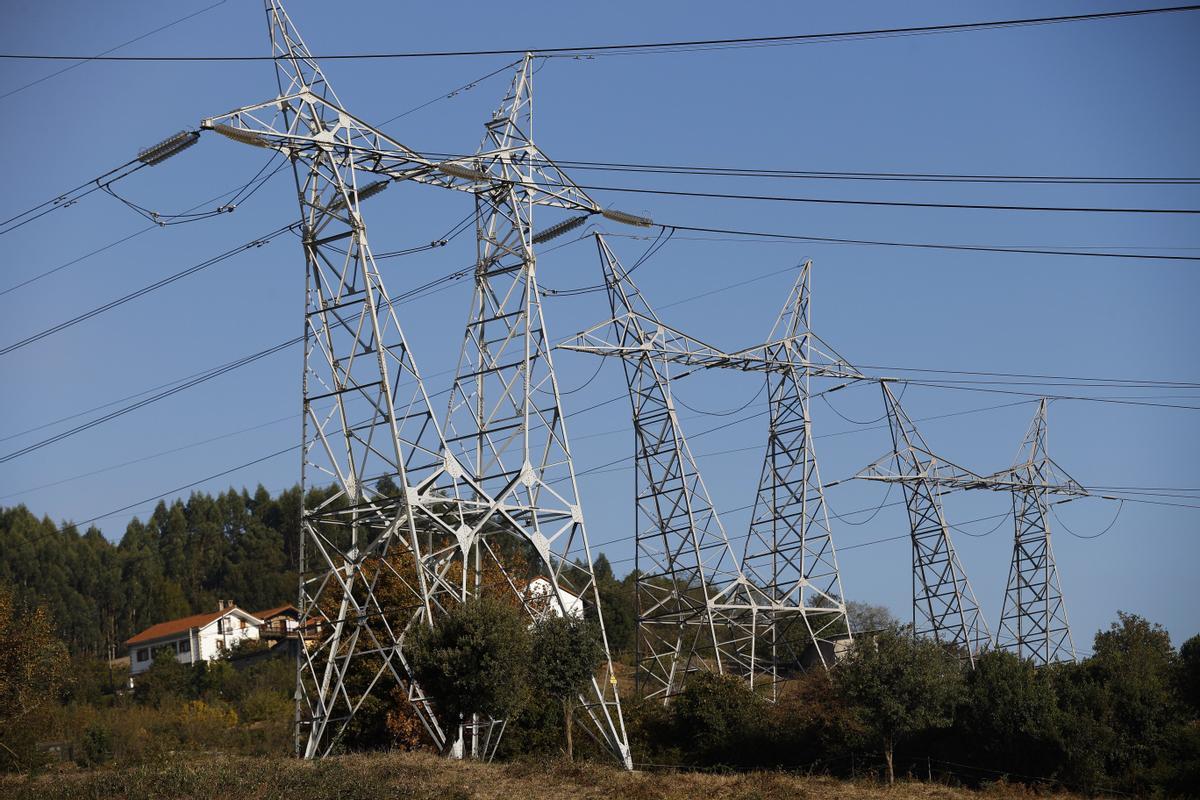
{"points": [[888, 748], [567, 709]]}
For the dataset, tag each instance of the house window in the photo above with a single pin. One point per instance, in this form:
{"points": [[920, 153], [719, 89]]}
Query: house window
{"points": [[143, 654], [185, 646], [221, 625]]}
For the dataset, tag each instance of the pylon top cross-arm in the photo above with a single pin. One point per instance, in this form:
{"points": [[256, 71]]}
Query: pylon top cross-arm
{"points": [[308, 119]]}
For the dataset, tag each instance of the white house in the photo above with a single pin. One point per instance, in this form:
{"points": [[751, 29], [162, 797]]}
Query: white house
{"points": [[539, 594], [200, 637]]}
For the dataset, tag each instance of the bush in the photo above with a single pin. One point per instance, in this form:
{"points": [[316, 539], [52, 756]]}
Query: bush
{"points": [[475, 661], [718, 720], [96, 747]]}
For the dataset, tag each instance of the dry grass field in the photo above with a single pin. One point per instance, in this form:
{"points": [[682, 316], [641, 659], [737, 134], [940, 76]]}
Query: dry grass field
{"points": [[414, 776]]}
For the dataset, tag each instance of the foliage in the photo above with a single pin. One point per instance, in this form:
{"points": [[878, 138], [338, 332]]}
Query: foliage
{"points": [[1134, 661], [1124, 719], [865, 617], [1188, 675], [423, 776], [33, 662], [1008, 718], [899, 687], [475, 660], [716, 717], [182, 560], [96, 747], [165, 680], [566, 653], [618, 606], [33, 674]]}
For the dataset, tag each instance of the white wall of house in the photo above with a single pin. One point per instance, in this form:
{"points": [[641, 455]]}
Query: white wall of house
{"points": [[540, 592], [141, 656], [220, 635]]}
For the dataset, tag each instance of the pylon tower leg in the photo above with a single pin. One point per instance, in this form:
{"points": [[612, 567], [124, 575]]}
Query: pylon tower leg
{"points": [[789, 552], [1033, 622], [944, 604], [505, 422]]}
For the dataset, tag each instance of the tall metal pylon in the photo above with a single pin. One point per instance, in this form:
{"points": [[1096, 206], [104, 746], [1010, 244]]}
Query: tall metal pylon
{"points": [[376, 562], [944, 604], [505, 422], [1033, 622], [700, 607], [789, 553], [695, 608]]}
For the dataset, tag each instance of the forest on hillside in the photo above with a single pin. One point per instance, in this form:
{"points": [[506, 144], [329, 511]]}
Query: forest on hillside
{"points": [[1125, 719], [183, 559]]}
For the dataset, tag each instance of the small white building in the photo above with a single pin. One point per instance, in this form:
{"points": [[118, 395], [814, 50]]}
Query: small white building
{"points": [[539, 595], [200, 637]]}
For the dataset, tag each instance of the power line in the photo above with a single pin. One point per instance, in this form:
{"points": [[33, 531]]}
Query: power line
{"points": [[152, 456], [202, 378], [1117, 401], [929, 245], [664, 46], [237, 195], [184, 487], [255, 243], [824, 175], [883, 203], [70, 197], [86, 59]]}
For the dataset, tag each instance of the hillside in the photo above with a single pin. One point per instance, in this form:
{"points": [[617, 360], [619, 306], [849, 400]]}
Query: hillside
{"points": [[416, 776]]}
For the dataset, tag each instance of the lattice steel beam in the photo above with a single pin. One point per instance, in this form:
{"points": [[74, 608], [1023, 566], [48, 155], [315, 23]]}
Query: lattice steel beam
{"points": [[395, 529], [505, 423], [944, 604], [1033, 622], [789, 553], [696, 611]]}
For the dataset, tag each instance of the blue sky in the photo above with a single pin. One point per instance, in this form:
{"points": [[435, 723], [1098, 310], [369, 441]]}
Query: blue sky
{"points": [[1101, 98]]}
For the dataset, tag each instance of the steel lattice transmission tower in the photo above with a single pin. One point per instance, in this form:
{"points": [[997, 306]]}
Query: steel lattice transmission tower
{"points": [[1033, 623], [505, 421], [695, 608], [699, 606], [789, 553], [393, 524], [944, 605]]}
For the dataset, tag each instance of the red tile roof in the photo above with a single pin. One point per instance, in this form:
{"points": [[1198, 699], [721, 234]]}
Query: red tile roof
{"points": [[270, 612], [178, 626]]}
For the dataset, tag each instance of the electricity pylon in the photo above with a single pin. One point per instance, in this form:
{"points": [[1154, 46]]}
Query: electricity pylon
{"points": [[944, 605], [505, 423], [697, 606], [789, 553], [1033, 623], [391, 519]]}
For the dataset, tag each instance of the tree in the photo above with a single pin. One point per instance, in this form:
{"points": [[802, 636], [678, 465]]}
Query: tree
{"points": [[897, 686], [865, 617], [33, 671], [33, 662], [475, 660], [167, 679], [566, 652], [1134, 661], [1008, 720], [1188, 677], [717, 717], [617, 604]]}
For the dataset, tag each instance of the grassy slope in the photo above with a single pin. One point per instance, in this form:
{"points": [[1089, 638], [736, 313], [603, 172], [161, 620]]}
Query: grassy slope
{"points": [[212, 776]]}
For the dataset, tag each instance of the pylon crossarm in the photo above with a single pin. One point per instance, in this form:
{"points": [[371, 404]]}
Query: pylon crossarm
{"points": [[372, 151], [670, 345]]}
